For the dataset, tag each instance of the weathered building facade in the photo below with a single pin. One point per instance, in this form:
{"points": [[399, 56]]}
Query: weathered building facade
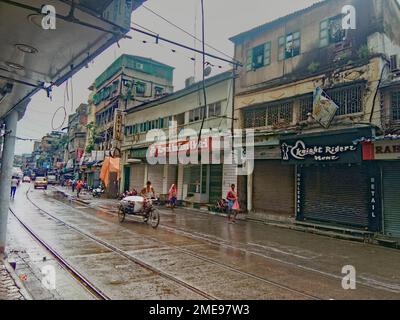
{"points": [[302, 169], [129, 81], [384, 151], [197, 183]]}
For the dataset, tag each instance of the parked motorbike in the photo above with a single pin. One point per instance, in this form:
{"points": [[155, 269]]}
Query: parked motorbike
{"points": [[141, 207], [97, 192]]}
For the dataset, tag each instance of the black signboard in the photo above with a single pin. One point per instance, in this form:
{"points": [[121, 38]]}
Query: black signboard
{"points": [[341, 147]]}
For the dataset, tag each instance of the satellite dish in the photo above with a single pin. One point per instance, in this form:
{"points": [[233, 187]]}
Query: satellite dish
{"points": [[207, 71]]}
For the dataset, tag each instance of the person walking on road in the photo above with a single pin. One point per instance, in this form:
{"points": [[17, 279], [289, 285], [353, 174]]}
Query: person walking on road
{"points": [[233, 204], [172, 196], [79, 187], [14, 185], [73, 185]]}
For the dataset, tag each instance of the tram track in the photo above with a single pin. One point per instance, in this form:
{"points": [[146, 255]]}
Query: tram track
{"points": [[97, 292], [85, 282], [326, 275], [189, 253]]}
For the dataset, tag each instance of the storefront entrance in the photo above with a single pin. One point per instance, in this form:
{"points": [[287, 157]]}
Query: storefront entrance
{"points": [[336, 194], [391, 199]]}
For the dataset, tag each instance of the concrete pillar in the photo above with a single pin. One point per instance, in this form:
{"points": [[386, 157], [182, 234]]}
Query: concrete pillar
{"points": [[5, 175]]}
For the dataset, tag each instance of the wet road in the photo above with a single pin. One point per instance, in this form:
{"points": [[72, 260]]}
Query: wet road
{"points": [[198, 256]]}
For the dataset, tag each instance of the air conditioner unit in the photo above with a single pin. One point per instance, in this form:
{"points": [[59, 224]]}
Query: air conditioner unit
{"points": [[394, 63]]}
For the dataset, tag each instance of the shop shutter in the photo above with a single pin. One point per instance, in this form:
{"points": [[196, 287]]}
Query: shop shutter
{"points": [[137, 177], [155, 174], [215, 183], [336, 194], [273, 191], [391, 201]]}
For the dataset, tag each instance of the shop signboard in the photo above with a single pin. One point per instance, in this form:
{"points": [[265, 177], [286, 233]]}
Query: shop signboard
{"points": [[326, 148], [382, 150], [324, 108]]}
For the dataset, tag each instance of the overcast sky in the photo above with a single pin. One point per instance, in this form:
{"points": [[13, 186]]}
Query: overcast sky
{"points": [[224, 18]]}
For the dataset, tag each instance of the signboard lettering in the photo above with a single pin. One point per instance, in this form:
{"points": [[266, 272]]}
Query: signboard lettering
{"points": [[300, 151]]}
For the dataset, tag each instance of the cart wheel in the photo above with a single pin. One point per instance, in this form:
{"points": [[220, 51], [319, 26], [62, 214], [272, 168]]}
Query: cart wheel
{"points": [[121, 214], [154, 218]]}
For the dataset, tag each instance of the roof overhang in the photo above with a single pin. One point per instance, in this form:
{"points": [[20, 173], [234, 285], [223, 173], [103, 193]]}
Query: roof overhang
{"points": [[33, 59]]}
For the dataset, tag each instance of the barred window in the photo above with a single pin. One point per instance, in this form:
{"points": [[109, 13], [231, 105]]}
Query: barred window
{"points": [[348, 99], [281, 113], [255, 118], [306, 107], [396, 106]]}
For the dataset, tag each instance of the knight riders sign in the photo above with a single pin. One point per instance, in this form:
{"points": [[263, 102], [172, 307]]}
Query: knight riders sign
{"points": [[325, 148]]}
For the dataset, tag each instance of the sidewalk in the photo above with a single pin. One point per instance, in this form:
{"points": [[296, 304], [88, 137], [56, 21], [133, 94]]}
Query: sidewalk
{"points": [[11, 287]]}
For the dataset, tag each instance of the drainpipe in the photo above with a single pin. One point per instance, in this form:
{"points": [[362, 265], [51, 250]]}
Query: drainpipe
{"points": [[250, 192], [5, 175]]}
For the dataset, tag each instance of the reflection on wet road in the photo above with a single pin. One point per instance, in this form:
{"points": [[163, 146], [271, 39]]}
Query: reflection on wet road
{"points": [[199, 256]]}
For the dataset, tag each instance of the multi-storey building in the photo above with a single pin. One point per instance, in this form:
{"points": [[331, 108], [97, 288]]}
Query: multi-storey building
{"points": [[77, 131], [129, 81], [304, 169], [197, 183]]}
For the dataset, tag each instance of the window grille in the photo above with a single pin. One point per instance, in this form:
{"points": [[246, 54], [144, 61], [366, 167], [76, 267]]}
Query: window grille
{"points": [[396, 106], [348, 99]]}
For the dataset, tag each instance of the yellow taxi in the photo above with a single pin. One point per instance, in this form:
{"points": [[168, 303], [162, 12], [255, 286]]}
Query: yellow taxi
{"points": [[41, 182]]}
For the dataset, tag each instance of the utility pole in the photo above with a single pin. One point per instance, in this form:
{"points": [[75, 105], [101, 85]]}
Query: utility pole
{"points": [[5, 175], [7, 161]]}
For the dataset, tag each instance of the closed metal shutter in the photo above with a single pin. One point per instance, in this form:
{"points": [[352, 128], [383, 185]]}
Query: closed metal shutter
{"points": [[137, 177], [337, 194], [155, 174], [274, 186], [391, 200]]}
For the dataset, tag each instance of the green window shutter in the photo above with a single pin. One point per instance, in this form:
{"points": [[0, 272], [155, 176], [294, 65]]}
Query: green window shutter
{"points": [[324, 33], [249, 60], [281, 48], [267, 54]]}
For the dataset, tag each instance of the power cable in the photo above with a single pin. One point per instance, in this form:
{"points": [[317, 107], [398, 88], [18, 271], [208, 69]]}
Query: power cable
{"points": [[185, 31], [203, 52]]}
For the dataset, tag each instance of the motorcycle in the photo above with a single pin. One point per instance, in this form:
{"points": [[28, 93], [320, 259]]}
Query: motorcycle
{"points": [[141, 207], [97, 192]]}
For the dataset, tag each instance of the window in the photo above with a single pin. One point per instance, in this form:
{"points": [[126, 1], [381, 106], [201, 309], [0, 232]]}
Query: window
{"points": [[331, 31], [281, 113], [180, 119], [214, 110], [258, 57], [255, 118], [306, 107], [139, 66], [158, 91], [196, 114], [289, 46], [349, 99], [396, 106], [140, 89]]}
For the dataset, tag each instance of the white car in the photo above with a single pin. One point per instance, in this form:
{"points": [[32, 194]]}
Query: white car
{"points": [[26, 179]]}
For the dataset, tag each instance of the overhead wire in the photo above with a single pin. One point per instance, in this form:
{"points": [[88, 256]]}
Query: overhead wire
{"points": [[186, 32]]}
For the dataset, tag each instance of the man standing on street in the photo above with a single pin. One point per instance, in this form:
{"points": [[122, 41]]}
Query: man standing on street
{"points": [[14, 185]]}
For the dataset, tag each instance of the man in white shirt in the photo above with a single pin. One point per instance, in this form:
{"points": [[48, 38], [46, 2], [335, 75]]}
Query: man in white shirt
{"points": [[14, 185]]}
